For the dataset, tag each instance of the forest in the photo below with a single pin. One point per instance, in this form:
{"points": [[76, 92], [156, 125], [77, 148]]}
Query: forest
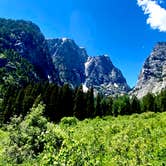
{"points": [[67, 102]]}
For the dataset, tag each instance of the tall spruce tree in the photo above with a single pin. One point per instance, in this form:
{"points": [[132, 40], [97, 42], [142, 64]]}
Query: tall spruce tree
{"points": [[135, 105], [66, 101], [162, 100], [148, 103], [89, 103], [79, 107], [98, 108]]}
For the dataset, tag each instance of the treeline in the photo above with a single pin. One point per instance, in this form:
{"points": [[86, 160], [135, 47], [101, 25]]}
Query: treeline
{"points": [[65, 102]]}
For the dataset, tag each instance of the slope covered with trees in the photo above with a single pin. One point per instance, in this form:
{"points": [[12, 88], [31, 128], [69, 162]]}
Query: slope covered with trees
{"points": [[26, 39]]}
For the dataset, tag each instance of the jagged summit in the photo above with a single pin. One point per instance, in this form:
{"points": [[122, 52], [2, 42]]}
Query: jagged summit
{"points": [[104, 76], [68, 60], [153, 74]]}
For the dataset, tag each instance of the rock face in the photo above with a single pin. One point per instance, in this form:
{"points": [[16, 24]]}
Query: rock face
{"points": [[153, 74], [104, 76], [76, 68], [26, 39], [68, 60]]}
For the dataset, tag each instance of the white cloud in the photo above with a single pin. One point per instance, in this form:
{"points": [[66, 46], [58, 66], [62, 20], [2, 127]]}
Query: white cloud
{"points": [[156, 14]]}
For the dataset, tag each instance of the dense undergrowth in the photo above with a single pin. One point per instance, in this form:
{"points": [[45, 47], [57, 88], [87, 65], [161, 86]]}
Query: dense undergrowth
{"points": [[138, 139]]}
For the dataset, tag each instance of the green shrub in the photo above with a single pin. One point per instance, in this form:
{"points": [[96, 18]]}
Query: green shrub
{"points": [[26, 136], [69, 121]]}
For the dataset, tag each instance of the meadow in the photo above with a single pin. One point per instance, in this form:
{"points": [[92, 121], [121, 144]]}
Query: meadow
{"points": [[138, 139]]}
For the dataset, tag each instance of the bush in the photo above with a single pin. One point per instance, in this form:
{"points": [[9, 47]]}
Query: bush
{"points": [[69, 121], [26, 136]]}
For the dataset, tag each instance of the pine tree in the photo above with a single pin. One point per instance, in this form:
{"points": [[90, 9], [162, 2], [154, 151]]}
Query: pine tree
{"points": [[19, 101], [79, 110], [66, 96], [98, 108], [148, 103], [89, 103], [135, 105], [52, 103], [162, 98]]}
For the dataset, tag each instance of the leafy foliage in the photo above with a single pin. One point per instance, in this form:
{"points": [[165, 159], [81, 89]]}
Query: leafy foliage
{"points": [[26, 136], [123, 140], [17, 72]]}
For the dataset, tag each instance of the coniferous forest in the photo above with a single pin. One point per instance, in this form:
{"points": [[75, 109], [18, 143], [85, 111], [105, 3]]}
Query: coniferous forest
{"points": [[67, 102]]}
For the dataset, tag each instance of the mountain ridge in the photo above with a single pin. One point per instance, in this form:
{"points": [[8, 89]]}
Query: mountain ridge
{"points": [[97, 72], [62, 61]]}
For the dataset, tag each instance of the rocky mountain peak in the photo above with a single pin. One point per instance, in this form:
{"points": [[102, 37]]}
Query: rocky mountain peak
{"points": [[104, 76], [68, 59], [152, 77]]}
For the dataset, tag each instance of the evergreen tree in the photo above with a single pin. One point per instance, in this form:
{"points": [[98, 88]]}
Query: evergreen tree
{"points": [[162, 99], [109, 103], [98, 108], [8, 104], [148, 103], [19, 102], [79, 109], [28, 99], [115, 107], [135, 105], [66, 102], [52, 103], [89, 103]]}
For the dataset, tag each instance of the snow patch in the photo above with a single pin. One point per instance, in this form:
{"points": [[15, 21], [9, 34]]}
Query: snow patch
{"points": [[49, 79], [86, 64], [85, 88], [116, 85], [64, 39]]}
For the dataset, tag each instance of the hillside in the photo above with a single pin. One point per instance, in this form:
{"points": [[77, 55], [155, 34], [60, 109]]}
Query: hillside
{"points": [[26, 39], [125, 140]]}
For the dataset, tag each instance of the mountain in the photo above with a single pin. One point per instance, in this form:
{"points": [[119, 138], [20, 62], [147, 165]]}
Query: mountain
{"points": [[76, 67], [68, 60], [153, 74], [26, 39], [104, 76]]}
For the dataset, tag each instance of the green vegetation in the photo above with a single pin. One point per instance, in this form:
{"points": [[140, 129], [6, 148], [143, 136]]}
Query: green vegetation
{"points": [[16, 71], [41, 126], [66, 102], [123, 140], [2, 56]]}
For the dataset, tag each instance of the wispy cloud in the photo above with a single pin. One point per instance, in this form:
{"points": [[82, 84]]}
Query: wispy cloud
{"points": [[156, 14]]}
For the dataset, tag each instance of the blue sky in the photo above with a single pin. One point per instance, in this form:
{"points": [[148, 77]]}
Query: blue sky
{"points": [[126, 30]]}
